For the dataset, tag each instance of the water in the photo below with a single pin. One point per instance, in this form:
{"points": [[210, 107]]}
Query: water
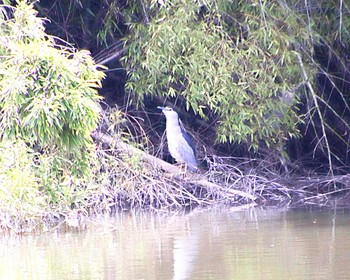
{"points": [[209, 244]]}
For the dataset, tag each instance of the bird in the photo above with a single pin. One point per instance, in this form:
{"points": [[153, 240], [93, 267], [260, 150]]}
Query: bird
{"points": [[180, 145]]}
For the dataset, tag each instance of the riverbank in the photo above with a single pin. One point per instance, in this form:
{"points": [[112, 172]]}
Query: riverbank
{"points": [[127, 178]]}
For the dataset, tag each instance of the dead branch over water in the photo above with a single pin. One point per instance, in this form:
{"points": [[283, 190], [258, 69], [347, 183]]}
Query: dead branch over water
{"points": [[160, 185]]}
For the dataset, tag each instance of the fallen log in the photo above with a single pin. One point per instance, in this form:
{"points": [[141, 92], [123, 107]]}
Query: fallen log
{"points": [[174, 171]]}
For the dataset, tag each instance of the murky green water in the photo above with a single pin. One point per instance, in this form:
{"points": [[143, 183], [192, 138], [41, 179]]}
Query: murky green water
{"points": [[210, 244]]}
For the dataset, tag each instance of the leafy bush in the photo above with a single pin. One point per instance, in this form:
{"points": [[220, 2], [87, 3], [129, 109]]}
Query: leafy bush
{"points": [[20, 195], [232, 58], [48, 108], [47, 95]]}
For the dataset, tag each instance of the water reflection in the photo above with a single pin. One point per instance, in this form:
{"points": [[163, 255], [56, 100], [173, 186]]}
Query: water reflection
{"points": [[185, 250], [208, 244]]}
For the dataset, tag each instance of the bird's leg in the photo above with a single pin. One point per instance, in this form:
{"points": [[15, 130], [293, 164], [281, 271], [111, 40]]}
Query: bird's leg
{"points": [[183, 168]]}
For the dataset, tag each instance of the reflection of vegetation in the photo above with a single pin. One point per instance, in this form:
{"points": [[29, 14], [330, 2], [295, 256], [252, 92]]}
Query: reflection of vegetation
{"points": [[244, 65], [216, 244]]}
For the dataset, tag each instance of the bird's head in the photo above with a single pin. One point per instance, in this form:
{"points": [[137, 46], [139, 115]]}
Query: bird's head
{"points": [[169, 112]]}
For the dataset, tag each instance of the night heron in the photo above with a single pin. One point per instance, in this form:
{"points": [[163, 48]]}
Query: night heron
{"points": [[180, 145]]}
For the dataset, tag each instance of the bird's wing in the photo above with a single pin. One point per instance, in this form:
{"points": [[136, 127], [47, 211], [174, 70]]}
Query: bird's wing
{"points": [[187, 137]]}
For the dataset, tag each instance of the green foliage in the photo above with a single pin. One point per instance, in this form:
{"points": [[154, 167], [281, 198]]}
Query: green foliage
{"points": [[47, 95], [233, 58], [330, 18], [46, 92], [110, 23], [48, 108], [20, 195]]}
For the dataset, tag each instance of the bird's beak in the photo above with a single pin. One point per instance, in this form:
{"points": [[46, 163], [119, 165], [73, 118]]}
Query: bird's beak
{"points": [[161, 108]]}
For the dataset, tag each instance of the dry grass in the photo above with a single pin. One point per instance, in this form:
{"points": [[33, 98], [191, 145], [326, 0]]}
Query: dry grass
{"points": [[154, 184]]}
